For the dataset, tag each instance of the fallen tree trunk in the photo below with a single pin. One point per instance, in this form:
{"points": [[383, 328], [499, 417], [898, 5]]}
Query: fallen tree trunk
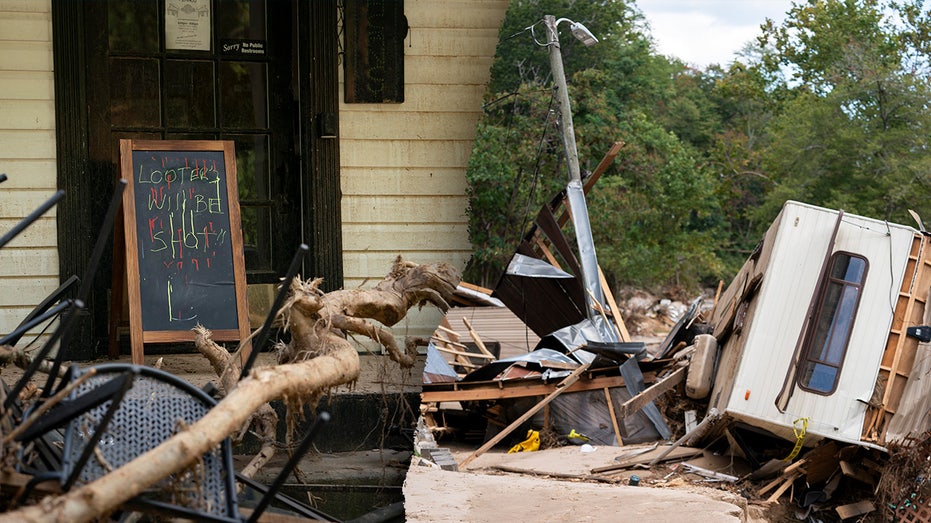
{"points": [[318, 357], [263, 385]]}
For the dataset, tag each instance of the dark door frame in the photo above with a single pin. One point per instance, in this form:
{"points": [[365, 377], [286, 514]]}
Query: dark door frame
{"points": [[79, 213]]}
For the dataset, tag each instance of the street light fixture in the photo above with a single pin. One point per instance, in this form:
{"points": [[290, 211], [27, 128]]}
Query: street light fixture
{"points": [[580, 32]]}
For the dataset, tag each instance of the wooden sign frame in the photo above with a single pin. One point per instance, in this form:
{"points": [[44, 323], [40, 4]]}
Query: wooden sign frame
{"points": [[174, 151]]}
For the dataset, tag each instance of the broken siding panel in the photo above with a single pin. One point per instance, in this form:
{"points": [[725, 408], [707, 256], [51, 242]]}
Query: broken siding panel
{"points": [[738, 307], [897, 408]]}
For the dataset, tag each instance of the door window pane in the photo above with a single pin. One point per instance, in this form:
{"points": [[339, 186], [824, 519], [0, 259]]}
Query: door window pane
{"points": [[189, 94], [252, 165], [238, 19], [243, 95], [134, 92], [133, 26]]}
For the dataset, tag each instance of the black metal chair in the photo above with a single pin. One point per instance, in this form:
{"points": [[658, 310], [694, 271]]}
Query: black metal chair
{"points": [[156, 406]]}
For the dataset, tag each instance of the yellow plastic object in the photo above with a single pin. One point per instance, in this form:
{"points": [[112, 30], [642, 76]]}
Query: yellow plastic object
{"points": [[577, 438], [530, 444]]}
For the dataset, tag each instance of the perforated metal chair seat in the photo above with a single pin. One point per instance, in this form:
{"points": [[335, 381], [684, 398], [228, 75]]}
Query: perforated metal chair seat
{"points": [[155, 408]]}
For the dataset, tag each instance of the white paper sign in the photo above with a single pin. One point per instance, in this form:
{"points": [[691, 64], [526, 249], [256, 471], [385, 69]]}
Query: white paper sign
{"points": [[187, 25]]}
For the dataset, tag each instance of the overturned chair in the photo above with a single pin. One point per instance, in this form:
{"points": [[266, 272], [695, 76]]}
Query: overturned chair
{"points": [[116, 412]]}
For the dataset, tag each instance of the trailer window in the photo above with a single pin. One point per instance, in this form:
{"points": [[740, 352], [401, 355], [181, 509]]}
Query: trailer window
{"points": [[832, 322]]}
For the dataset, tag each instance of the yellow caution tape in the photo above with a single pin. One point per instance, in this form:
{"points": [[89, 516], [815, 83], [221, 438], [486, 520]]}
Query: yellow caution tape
{"points": [[799, 437]]}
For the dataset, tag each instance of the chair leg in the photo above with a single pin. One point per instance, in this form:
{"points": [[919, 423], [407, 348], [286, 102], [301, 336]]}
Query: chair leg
{"points": [[279, 299], [299, 452]]}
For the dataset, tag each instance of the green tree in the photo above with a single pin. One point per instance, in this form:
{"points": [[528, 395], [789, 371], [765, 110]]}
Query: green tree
{"points": [[653, 211], [853, 133]]}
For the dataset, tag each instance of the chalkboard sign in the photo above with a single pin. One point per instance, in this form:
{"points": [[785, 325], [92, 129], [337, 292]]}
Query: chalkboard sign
{"points": [[184, 260]]}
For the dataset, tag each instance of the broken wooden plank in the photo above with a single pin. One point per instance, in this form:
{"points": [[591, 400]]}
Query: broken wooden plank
{"points": [[612, 304], [476, 288], [648, 458], [563, 385], [464, 353], [787, 482], [617, 428], [708, 473], [586, 477], [514, 389], [710, 417], [477, 339], [855, 509], [852, 470], [633, 405], [550, 364], [439, 339]]}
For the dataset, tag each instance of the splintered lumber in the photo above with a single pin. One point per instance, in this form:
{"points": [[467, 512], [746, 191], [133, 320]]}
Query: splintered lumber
{"points": [[647, 458], [477, 339], [465, 353], [710, 417], [497, 389], [633, 405], [612, 304], [855, 509], [786, 483], [589, 477], [444, 341], [617, 429], [563, 385]]}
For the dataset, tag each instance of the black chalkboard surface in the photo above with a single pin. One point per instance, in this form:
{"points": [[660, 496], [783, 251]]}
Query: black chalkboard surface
{"points": [[184, 261]]}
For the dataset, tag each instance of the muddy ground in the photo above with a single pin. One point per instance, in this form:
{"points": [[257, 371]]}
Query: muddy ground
{"points": [[548, 486]]}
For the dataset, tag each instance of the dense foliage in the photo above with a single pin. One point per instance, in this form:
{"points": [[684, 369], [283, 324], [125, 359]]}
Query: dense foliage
{"points": [[830, 107]]}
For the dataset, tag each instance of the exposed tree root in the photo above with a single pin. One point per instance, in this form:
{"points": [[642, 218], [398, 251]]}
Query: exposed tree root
{"points": [[318, 358]]}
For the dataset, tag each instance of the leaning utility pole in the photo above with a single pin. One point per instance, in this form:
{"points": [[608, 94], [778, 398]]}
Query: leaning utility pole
{"points": [[594, 294]]}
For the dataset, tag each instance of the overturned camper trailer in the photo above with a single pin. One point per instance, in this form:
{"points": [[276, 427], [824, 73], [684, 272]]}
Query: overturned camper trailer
{"points": [[818, 332]]}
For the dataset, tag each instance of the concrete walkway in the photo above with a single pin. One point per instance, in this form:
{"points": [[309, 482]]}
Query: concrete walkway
{"points": [[439, 496]]}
